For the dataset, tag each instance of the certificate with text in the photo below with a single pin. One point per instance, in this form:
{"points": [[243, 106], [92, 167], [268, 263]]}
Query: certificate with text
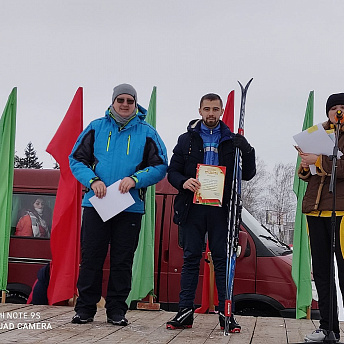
{"points": [[212, 179]]}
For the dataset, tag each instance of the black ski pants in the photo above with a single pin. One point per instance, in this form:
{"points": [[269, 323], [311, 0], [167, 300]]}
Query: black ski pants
{"points": [[202, 219], [320, 241], [122, 233]]}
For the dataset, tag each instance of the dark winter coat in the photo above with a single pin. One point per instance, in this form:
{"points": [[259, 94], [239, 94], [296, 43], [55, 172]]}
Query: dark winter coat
{"points": [[317, 196], [189, 152]]}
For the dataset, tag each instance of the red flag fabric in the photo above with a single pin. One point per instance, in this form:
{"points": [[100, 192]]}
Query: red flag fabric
{"points": [[228, 115], [206, 306], [65, 233], [228, 119]]}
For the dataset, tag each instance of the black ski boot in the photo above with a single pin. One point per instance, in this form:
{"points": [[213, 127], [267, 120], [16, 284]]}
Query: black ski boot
{"points": [[183, 319], [234, 327]]}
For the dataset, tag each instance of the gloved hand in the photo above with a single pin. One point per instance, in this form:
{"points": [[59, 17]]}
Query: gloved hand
{"points": [[241, 142]]}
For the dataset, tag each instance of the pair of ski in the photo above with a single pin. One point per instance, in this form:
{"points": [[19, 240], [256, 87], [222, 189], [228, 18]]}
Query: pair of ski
{"points": [[234, 219]]}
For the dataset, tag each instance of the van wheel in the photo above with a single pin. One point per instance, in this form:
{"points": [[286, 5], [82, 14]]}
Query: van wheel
{"points": [[16, 297], [256, 310]]}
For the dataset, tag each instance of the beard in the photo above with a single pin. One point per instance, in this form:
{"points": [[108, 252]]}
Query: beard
{"points": [[211, 122]]}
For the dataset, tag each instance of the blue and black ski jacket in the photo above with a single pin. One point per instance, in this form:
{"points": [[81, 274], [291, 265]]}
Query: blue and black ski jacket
{"points": [[109, 152]]}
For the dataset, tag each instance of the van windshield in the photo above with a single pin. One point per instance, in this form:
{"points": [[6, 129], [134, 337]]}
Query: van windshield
{"points": [[32, 215], [274, 245]]}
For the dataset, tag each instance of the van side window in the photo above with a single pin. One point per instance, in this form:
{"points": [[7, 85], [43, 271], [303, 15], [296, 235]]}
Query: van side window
{"points": [[32, 215]]}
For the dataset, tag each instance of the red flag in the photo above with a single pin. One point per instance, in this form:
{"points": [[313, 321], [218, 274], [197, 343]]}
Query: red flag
{"points": [[65, 233], [228, 119], [228, 115], [206, 298]]}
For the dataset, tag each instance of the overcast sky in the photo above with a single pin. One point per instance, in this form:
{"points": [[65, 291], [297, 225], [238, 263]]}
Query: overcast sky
{"points": [[186, 49]]}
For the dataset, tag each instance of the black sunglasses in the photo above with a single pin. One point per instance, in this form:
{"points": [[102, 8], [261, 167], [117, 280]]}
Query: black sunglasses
{"points": [[129, 101]]}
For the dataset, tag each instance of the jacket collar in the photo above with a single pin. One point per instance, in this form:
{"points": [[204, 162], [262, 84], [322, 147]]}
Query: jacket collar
{"points": [[140, 117], [195, 125], [329, 125]]}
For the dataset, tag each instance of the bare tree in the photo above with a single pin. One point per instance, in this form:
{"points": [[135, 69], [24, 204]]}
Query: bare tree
{"points": [[254, 192], [281, 198]]}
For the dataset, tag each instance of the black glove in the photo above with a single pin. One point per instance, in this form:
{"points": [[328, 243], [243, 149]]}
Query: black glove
{"points": [[240, 142]]}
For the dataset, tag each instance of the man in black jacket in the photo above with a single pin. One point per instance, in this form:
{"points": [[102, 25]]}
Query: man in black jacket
{"points": [[207, 141]]}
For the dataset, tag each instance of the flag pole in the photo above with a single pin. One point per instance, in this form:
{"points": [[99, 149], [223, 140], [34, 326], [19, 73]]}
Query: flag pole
{"points": [[309, 308], [211, 284]]}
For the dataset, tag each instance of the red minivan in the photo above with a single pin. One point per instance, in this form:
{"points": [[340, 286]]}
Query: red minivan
{"points": [[263, 283]]}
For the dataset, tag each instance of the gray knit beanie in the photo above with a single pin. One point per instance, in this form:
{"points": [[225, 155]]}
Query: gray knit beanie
{"points": [[124, 89]]}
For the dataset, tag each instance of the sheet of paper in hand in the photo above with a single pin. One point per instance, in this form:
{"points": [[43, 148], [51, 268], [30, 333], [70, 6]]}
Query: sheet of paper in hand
{"points": [[316, 140], [113, 203]]}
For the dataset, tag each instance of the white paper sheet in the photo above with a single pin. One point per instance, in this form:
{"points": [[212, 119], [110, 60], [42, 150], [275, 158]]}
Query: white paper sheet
{"points": [[113, 203], [315, 140]]}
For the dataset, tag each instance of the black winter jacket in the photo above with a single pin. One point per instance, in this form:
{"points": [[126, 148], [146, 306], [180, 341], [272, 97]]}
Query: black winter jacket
{"points": [[189, 152]]}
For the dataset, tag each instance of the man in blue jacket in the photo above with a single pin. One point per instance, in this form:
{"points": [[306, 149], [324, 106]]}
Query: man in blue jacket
{"points": [[119, 146], [207, 141]]}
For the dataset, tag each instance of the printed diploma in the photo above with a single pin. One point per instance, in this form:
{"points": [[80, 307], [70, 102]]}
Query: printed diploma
{"points": [[212, 179]]}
